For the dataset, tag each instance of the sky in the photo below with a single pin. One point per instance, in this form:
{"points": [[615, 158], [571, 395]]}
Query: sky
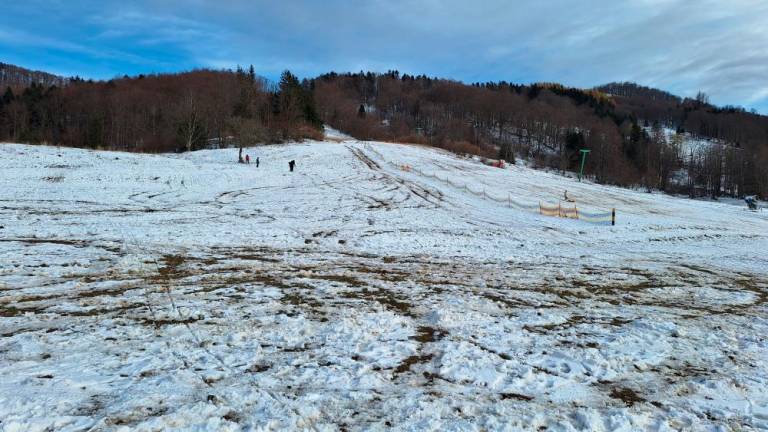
{"points": [[682, 46]]}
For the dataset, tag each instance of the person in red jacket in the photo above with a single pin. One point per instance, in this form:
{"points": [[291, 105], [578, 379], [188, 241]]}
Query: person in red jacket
{"points": [[247, 159]]}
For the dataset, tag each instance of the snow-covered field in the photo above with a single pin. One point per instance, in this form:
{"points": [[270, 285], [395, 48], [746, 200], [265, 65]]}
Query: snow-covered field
{"points": [[189, 292]]}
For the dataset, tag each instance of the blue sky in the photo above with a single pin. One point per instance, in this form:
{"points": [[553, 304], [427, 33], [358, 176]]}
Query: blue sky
{"points": [[717, 46]]}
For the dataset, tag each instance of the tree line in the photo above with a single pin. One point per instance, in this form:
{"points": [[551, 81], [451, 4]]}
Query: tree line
{"points": [[162, 113], [638, 136], [17, 77]]}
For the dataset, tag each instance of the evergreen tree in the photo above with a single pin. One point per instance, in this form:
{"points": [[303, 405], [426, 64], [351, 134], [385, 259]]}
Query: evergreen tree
{"points": [[296, 101], [311, 115], [288, 82], [8, 96]]}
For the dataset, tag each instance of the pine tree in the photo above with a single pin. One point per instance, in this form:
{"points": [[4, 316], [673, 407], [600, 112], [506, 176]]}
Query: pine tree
{"points": [[8, 97], [296, 101], [288, 82]]}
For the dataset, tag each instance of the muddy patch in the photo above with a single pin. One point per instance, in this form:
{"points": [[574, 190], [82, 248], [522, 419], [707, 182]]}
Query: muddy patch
{"points": [[626, 395]]}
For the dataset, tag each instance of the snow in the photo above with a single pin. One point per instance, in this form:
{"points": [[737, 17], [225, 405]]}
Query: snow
{"points": [[335, 135], [367, 290]]}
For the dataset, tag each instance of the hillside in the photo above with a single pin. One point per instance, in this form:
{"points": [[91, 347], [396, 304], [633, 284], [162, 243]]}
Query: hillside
{"points": [[380, 285], [546, 123], [19, 78], [550, 123]]}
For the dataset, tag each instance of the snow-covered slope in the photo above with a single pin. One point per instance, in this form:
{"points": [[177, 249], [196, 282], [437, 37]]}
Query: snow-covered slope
{"points": [[334, 135], [370, 288]]}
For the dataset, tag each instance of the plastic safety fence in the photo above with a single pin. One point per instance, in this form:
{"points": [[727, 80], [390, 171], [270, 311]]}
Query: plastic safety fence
{"points": [[559, 211], [555, 210], [607, 218], [549, 211]]}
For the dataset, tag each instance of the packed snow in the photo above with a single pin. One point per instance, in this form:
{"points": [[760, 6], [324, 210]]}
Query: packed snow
{"points": [[372, 288]]}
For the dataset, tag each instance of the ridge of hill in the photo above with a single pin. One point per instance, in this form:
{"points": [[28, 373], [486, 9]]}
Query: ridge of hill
{"points": [[18, 77]]}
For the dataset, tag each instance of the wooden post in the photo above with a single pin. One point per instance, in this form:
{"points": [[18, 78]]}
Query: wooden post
{"points": [[613, 216]]}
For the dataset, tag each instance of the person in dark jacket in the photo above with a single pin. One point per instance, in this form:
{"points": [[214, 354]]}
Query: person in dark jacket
{"points": [[291, 164], [257, 161], [751, 202]]}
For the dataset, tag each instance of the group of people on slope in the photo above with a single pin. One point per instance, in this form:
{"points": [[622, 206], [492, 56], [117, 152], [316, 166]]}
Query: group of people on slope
{"points": [[247, 160]]}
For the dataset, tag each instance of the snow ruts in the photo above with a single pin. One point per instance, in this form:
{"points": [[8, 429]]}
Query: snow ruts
{"points": [[547, 210]]}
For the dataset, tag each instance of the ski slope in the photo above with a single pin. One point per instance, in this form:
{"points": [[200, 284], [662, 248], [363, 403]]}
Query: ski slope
{"points": [[367, 290]]}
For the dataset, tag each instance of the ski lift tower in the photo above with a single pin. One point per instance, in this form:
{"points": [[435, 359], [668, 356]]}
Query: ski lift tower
{"points": [[583, 158]]}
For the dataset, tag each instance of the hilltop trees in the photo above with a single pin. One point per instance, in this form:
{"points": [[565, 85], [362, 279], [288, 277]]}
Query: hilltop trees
{"points": [[24, 116], [727, 146], [6, 124], [295, 105], [251, 118], [19, 78], [155, 113]]}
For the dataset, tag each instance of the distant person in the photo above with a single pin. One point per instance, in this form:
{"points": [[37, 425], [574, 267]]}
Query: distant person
{"points": [[751, 202], [247, 160], [257, 161], [291, 164]]}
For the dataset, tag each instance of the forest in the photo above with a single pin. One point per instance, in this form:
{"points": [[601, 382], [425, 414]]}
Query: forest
{"points": [[637, 136], [161, 113]]}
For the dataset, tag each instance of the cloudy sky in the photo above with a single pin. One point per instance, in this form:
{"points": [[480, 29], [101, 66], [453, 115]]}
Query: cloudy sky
{"points": [[718, 46]]}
